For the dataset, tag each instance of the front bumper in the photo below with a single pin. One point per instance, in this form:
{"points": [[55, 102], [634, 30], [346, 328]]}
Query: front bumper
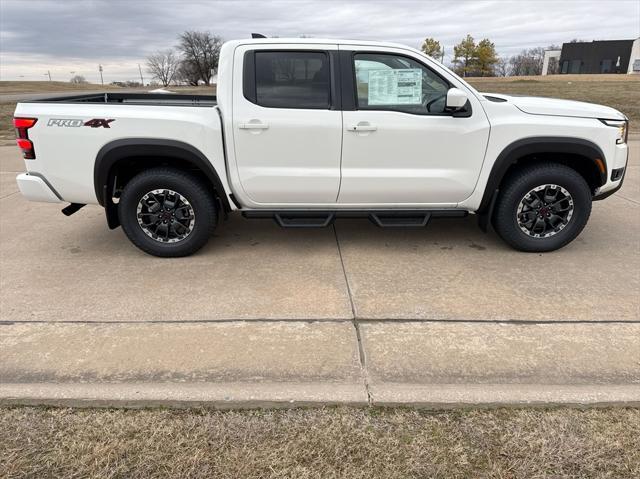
{"points": [[619, 160], [36, 188]]}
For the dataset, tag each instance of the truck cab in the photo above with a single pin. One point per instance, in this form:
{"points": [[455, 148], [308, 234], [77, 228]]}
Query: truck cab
{"points": [[346, 125]]}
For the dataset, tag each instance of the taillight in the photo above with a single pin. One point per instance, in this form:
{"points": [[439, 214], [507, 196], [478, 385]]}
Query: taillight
{"points": [[24, 122], [22, 136]]}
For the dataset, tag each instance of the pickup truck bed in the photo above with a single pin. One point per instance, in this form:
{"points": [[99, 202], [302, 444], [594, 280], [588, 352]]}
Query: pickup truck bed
{"points": [[155, 99]]}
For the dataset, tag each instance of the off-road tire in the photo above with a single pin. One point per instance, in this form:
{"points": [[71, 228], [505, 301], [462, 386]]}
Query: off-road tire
{"points": [[201, 201], [520, 183]]}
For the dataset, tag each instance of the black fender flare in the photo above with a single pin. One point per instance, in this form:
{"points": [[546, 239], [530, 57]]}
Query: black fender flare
{"points": [[117, 150], [114, 151], [539, 144]]}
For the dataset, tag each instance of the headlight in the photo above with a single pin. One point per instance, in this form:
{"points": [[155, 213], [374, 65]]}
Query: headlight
{"points": [[623, 129]]}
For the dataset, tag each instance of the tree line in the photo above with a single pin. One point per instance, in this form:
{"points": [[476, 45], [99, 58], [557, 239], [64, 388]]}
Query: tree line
{"points": [[194, 60], [481, 59]]}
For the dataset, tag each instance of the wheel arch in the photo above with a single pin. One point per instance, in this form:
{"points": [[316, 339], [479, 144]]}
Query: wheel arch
{"points": [[132, 155], [582, 155]]}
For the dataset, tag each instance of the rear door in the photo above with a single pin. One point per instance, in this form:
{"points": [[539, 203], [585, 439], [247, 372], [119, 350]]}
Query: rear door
{"points": [[401, 146], [287, 127]]}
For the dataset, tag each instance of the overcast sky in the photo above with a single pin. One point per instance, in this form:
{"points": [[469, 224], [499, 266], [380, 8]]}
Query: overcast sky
{"points": [[76, 35]]}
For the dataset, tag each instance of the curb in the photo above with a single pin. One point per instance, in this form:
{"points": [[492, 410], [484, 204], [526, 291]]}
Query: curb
{"points": [[182, 395], [286, 395], [452, 396]]}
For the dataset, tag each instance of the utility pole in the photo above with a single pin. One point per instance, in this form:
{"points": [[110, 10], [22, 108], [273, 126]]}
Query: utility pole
{"points": [[100, 70], [141, 79]]}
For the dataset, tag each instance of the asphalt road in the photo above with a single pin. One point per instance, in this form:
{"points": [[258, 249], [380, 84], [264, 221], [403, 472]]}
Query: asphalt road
{"points": [[351, 314]]}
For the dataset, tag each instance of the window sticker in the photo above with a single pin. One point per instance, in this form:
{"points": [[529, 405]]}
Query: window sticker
{"points": [[395, 87]]}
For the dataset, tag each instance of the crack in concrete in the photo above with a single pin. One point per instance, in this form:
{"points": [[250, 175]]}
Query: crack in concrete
{"points": [[356, 326], [344, 272], [9, 195], [326, 320], [629, 199], [363, 362]]}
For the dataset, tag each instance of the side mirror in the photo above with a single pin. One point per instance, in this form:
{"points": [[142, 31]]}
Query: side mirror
{"points": [[456, 99]]}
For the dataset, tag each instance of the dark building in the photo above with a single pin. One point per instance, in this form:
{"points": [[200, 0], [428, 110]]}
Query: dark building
{"points": [[607, 56]]}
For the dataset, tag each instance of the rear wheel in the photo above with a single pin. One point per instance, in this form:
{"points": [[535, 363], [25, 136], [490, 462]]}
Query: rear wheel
{"points": [[542, 207], [167, 212]]}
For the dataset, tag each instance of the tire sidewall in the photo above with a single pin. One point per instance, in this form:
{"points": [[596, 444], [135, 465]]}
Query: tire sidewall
{"points": [[561, 176], [187, 186]]}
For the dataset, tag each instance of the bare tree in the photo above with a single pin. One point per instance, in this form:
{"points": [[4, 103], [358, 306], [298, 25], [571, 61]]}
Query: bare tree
{"points": [[502, 67], [163, 65], [78, 79], [527, 62], [188, 73], [201, 50]]}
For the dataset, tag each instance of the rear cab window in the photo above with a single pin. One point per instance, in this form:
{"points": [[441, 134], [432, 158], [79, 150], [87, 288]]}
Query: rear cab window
{"points": [[288, 79]]}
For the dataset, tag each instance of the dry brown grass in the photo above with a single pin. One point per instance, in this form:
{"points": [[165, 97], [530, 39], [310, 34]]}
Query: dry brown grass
{"points": [[15, 87], [320, 443], [7, 134], [556, 78]]}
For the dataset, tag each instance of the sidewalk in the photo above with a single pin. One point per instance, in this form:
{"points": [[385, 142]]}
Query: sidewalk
{"points": [[248, 364]]}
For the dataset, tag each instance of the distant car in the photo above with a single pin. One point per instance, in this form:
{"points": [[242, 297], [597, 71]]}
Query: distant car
{"points": [[305, 131]]}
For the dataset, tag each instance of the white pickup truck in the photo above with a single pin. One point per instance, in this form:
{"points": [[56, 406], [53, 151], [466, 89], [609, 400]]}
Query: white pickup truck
{"points": [[305, 131]]}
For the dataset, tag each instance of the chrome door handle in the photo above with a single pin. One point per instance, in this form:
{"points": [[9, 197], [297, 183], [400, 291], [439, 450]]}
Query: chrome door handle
{"points": [[253, 126], [362, 127]]}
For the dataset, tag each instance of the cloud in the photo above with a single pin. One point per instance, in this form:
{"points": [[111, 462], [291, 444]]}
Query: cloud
{"points": [[77, 35]]}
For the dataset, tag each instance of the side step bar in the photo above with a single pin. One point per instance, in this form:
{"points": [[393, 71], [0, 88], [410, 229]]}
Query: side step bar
{"points": [[381, 218]]}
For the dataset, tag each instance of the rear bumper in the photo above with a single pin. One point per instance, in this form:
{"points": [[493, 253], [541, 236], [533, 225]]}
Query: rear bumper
{"points": [[36, 188]]}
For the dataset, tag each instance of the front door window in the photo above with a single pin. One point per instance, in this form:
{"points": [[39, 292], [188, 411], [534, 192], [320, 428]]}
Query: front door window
{"points": [[397, 83]]}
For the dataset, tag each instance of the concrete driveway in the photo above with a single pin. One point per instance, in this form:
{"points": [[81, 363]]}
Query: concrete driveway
{"points": [[256, 270], [351, 313]]}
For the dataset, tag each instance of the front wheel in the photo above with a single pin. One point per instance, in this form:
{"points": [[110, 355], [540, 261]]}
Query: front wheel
{"points": [[542, 207], [167, 212]]}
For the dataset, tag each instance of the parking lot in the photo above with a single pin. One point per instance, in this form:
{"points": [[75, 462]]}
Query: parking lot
{"points": [[350, 313]]}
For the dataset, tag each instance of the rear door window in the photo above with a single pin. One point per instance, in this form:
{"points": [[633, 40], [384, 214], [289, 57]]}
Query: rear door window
{"points": [[289, 79]]}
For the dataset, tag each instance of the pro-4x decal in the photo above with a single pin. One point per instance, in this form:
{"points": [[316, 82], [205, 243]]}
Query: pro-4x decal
{"points": [[98, 122], [65, 122]]}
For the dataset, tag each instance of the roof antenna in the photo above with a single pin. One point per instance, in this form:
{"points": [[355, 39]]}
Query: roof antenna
{"points": [[257, 35]]}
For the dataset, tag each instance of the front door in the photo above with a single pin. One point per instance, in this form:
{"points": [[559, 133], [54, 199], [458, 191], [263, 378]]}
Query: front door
{"points": [[287, 134], [400, 145]]}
